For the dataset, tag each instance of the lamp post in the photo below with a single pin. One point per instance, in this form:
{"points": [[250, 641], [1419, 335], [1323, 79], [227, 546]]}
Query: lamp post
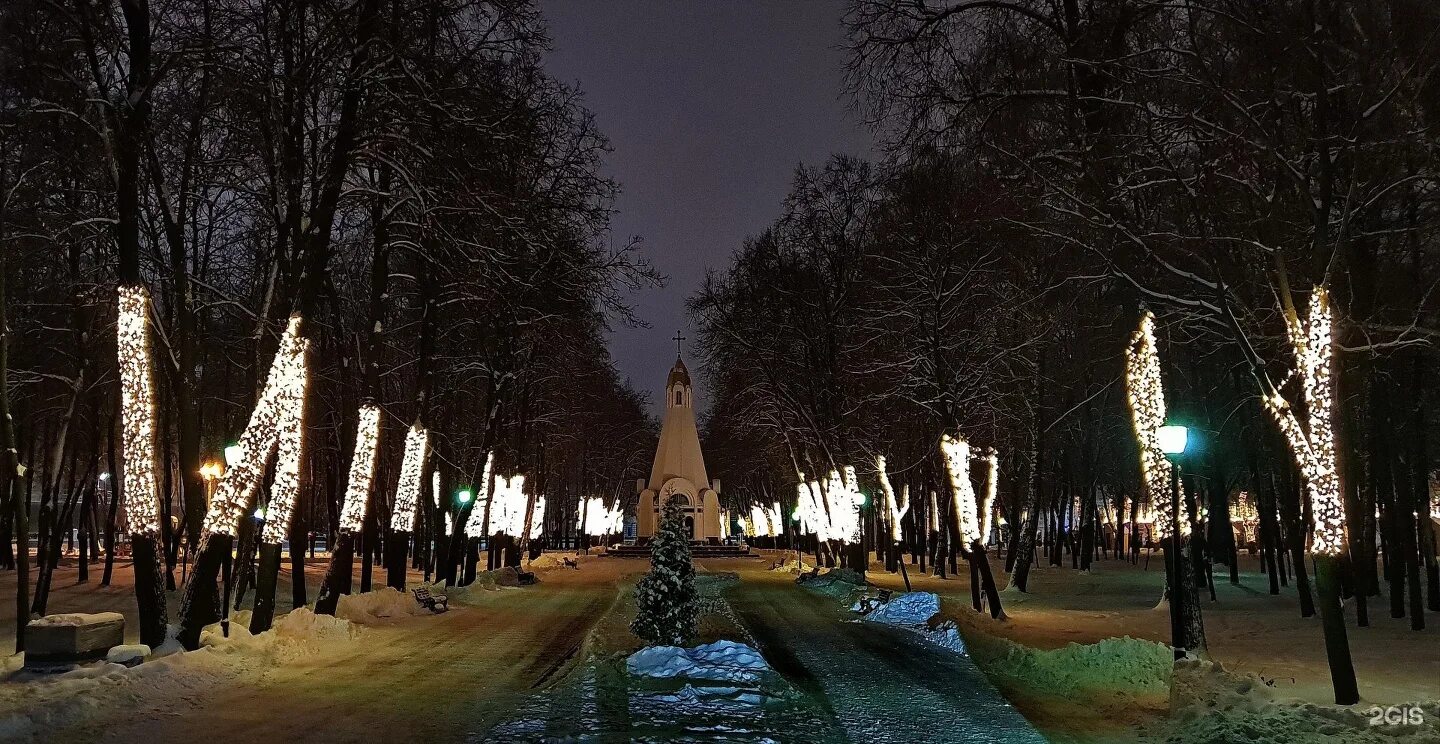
{"points": [[1173, 439]]}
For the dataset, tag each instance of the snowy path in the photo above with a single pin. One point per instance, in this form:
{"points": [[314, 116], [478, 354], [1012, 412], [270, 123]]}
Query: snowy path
{"points": [[441, 678], [882, 684]]}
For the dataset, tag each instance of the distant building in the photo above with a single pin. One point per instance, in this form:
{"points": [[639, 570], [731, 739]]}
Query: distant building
{"points": [[679, 469]]}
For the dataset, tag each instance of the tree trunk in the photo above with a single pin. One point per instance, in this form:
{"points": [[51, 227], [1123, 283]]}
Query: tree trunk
{"points": [[1337, 644], [201, 602], [268, 574]]}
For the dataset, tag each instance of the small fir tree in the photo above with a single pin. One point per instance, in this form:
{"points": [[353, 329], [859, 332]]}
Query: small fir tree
{"points": [[665, 598]]}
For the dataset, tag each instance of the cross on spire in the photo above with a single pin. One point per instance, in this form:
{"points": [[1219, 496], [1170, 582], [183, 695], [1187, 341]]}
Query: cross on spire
{"points": [[678, 341]]}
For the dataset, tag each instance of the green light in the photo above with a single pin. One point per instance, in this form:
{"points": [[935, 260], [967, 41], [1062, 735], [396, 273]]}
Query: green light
{"points": [[1173, 439], [464, 496]]}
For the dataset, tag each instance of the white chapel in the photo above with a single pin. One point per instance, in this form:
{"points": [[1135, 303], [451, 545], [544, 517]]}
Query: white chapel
{"points": [[679, 469]]}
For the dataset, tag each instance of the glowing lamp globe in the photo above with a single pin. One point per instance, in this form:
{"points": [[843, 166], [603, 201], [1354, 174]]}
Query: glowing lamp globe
{"points": [[464, 496], [234, 454], [1173, 439], [260, 513]]}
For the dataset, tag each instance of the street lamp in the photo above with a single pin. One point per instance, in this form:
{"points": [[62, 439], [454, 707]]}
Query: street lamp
{"points": [[464, 497], [234, 454], [1173, 438]]}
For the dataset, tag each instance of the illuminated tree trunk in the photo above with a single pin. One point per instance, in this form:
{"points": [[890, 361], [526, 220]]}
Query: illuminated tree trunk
{"points": [[1313, 447], [280, 518]]}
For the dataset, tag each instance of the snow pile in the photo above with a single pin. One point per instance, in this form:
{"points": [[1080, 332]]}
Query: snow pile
{"points": [[947, 636], [791, 565], [128, 655], [840, 583], [296, 633], [385, 602], [33, 705], [1126, 664], [721, 661], [912, 608], [1209, 703], [547, 561], [913, 611], [302, 624]]}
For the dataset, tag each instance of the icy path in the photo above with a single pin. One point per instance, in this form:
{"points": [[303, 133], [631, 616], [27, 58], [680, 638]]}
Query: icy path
{"points": [[882, 684], [439, 678]]}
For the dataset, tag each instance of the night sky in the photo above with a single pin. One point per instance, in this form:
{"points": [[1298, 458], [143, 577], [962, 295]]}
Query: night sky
{"points": [[709, 107]]}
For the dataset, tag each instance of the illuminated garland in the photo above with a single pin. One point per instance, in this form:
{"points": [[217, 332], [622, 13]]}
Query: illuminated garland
{"points": [[507, 510], [962, 501], [237, 487], [992, 486], [896, 511], [1314, 450], [475, 525], [597, 521], [290, 444], [362, 469], [537, 519], [763, 521], [407, 493], [137, 406], [1146, 395], [843, 495]]}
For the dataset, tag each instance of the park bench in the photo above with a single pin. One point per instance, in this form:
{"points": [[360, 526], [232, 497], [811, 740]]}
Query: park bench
{"points": [[571, 563], [884, 595], [431, 602], [527, 578]]}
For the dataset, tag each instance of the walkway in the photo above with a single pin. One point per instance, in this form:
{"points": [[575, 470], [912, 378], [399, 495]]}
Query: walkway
{"points": [[881, 684]]}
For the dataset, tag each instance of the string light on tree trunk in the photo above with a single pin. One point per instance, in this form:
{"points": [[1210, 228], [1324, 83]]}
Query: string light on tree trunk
{"points": [[596, 520], [1314, 445], [233, 495], [896, 511], [290, 444], [507, 510], [412, 465], [137, 400], [992, 486], [475, 525], [1146, 395], [537, 519], [362, 468], [957, 465]]}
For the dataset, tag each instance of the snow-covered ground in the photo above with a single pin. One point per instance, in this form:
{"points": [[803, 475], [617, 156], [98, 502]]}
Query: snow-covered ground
{"points": [[1084, 656]]}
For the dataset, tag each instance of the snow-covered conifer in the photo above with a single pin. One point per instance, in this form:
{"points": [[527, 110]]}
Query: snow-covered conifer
{"points": [[665, 598]]}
